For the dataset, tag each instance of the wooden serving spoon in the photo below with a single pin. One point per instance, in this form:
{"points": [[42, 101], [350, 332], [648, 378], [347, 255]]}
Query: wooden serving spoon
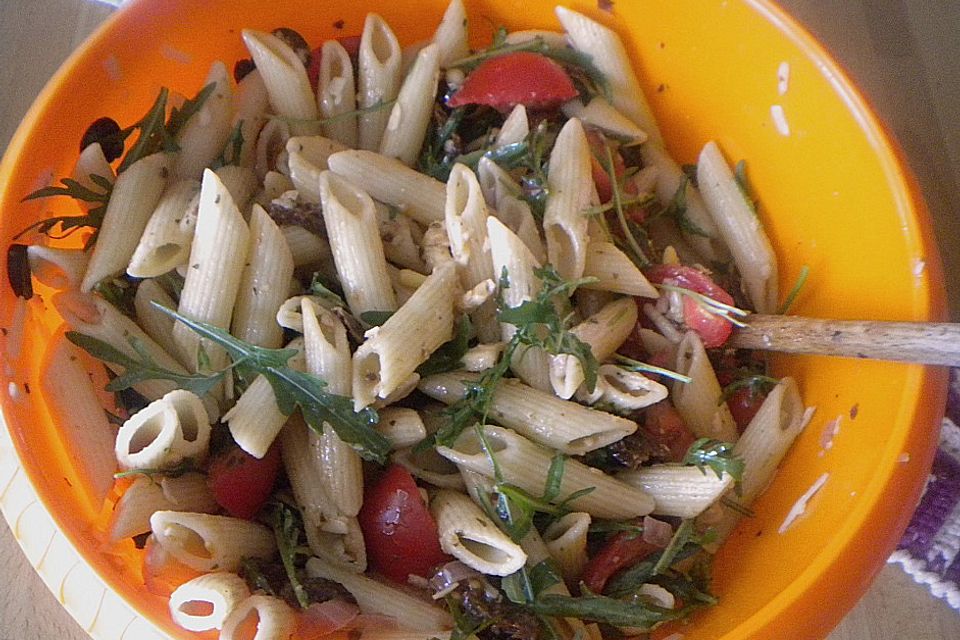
{"points": [[935, 343]]}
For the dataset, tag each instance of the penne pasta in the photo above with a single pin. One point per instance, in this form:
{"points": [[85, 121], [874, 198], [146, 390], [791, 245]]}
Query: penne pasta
{"points": [[206, 542], [392, 352], [217, 255], [699, 400], [410, 115], [739, 227], [469, 535], [203, 137], [451, 34], [165, 243], [134, 197], [561, 424], [677, 490], [375, 597], [570, 188], [272, 618], [87, 436], [286, 80], [392, 182], [378, 79], [356, 246], [263, 284], [466, 220], [612, 270], [205, 602], [337, 95], [524, 464], [164, 433]]}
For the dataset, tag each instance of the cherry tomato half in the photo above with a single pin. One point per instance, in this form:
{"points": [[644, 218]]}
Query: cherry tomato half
{"points": [[712, 329], [400, 534], [622, 550], [526, 78], [242, 483]]}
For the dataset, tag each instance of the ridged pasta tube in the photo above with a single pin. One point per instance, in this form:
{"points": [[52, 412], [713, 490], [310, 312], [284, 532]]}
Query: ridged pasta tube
{"points": [[337, 94], [566, 541], [466, 220], [351, 224], [204, 602], [699, 400], [378, 78], [57, 267], [164, 433], [131, 514], [410, 115], [286, 80], [623, 391], [205, 134], [614, 271], [570, 187], [207, 542], [525, 464], [392, 352], [560, 424], [392, 182], [134, 197], [739, 227], [469, 535], [679, 490]]}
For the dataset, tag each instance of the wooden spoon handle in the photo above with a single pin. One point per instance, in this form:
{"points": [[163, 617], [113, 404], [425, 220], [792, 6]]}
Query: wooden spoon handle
{"points": [[919, 342]]}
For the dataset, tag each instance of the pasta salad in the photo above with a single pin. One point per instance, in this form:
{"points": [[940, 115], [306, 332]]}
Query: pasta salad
{"points": [[416, 341]]}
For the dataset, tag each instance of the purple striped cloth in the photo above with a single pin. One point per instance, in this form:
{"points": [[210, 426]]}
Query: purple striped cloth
{"points": [[930, 548]]}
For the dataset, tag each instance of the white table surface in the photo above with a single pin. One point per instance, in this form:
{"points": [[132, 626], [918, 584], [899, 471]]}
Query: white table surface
{"points": [[904, 55]]}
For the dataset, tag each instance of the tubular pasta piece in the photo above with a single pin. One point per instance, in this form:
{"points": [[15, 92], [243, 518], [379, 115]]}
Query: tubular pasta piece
{"points": [[470, 536], [207, 542], [220, 592]]}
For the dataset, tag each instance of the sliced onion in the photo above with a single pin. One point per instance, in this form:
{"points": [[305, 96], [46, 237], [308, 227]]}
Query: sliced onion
{"points": [[657, 532], [450, 575], [323, 618]]}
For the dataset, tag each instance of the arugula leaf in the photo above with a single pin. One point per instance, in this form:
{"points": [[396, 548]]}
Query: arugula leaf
{"points": [[67, 225], [534, 318], [677, 209], [621, 613], [718, 456], [538, 324], [628, 230], [668, 556], [449, 355], [287, 529], [294, 388], [375, 318], [144, 368], [642, 367]]}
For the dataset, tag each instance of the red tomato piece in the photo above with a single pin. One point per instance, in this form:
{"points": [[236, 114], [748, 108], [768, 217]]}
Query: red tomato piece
{"points": [[350, 43], [526, 78], [663, 425], [400, 534], [242, 483], [623, 550], [712, 329], [744, 404]]}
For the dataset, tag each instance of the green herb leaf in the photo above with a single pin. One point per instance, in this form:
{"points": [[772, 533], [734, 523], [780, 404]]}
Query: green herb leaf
{"points": [[295, 388], [718, 456], [144, 368], [621, 613], [375, 318], [449, 356], [287, 529], [59, 227]]}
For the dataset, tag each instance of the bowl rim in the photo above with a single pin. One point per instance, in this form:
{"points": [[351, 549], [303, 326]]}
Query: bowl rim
{"points": [[915, 218]]}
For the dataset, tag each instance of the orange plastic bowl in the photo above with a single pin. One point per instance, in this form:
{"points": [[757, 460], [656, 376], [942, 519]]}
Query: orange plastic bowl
{"points": [[833, 192]]}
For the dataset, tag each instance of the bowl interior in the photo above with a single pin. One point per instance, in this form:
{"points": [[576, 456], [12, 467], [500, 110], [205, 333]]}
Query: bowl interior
{"points": [[831, 191]]}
